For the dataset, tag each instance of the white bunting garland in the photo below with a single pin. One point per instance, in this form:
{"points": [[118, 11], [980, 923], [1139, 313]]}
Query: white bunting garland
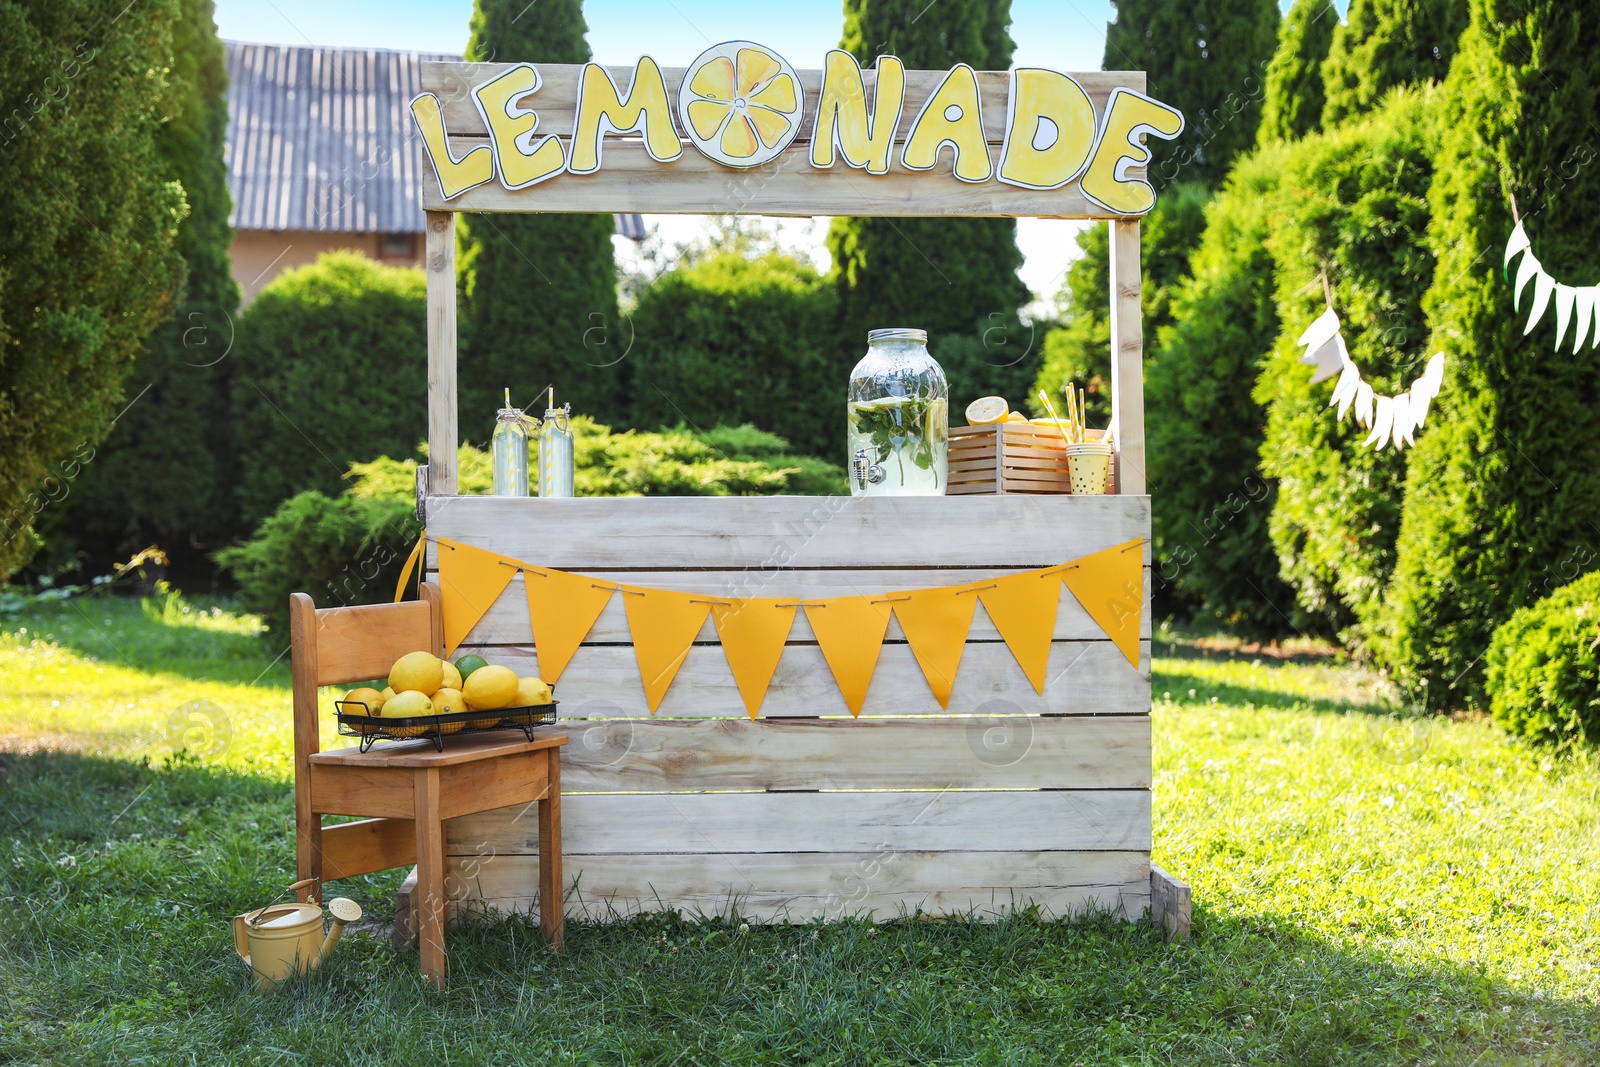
{"points": [[1391, 419], [1573, 303]]}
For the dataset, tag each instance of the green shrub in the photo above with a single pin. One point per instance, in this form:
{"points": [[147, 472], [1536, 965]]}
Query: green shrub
{"points": [[349, 549], [330, 369], [1213, 559], [733, 339], [1543, 672], [1385, 43], [1354, 203], [1292, 107]]}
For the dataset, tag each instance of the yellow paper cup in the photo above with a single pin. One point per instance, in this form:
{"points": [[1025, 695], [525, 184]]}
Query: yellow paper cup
{"points": [[1088, 465]]}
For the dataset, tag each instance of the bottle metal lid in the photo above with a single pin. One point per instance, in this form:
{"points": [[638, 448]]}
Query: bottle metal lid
{"points": [[898, 333]]}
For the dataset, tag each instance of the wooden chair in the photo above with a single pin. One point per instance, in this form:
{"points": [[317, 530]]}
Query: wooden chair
{"points": [[409, 787]]}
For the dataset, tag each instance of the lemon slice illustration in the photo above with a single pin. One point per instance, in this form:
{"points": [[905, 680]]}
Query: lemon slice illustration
{"points": [[741, 104]]}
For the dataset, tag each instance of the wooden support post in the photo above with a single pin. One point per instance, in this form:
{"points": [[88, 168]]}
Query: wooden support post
{"points": [[1170, 905], [430, 892], [552, 914], [442, 436], [1127, 356], [307, 823]]}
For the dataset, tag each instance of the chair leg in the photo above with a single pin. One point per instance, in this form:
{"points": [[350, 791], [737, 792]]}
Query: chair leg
{"points": [[430, 896], [552, 918], [308, 853]]}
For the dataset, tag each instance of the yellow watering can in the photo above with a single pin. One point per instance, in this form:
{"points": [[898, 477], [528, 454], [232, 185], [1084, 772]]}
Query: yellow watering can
{"points": [[283, 939]]}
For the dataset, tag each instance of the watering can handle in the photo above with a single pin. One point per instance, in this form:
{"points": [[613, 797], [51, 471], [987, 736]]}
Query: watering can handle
{"points": [[301, 884]]}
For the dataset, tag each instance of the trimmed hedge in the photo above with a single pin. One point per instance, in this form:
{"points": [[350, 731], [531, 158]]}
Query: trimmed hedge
{"points": [[731, 339], [330, 369], [1543, 669]]}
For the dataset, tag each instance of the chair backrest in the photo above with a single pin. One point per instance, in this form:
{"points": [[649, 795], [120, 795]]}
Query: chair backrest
{"points": [[335, 646]]}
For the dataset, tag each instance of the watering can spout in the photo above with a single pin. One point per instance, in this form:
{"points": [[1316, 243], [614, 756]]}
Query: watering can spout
{"points": [[344, 910]]}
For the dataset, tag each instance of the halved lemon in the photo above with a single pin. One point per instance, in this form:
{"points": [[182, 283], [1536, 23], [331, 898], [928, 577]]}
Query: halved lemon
{"points": [[987, 410], [741, 103]]}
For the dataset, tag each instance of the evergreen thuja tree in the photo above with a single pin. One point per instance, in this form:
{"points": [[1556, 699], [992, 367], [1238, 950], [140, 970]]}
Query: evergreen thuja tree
{"points": [[164, 473], [88, 219], [1384, 43], [948, 276], [538, 292], [1503, 489], [1208, 58], [1292, 107]]}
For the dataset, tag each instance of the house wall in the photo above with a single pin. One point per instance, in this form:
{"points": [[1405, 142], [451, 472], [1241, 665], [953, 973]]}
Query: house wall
{"points": [[259, 256]]}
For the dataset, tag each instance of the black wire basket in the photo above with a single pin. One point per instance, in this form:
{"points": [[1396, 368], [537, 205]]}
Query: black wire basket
{"points": [[435, 728]]}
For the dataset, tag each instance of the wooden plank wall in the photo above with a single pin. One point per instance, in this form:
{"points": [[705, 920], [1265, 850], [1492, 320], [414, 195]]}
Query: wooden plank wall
{"points": [[629, 180], [1009, 798]]}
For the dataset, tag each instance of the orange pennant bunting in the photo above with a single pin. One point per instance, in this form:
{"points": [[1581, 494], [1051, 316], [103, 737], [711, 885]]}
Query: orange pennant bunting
{"points": [[664, 625], [562, 609], [470, 581], [935, 622], [1023, 608], [753, 633], [1110, 586], [849, 631]]}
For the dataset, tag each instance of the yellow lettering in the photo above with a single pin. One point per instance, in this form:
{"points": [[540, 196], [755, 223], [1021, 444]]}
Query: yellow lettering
{"points": [[842, 120], [952, 116], [601, 110], [1049, 130], [521, 162], [1128, 114], [455, 176]]}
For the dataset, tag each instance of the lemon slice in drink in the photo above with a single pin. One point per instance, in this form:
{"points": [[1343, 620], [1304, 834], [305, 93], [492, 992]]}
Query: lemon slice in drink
{"points": [[987, 410]]}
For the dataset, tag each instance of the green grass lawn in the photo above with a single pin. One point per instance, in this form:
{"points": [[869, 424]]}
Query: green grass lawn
{"points": [[1368, 889]]}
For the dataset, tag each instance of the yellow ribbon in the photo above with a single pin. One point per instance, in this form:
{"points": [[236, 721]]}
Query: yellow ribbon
{"points": [[411, 565]]}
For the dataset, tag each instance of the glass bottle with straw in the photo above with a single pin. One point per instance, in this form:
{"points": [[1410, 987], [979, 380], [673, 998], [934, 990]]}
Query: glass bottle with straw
{"points": [[555, 449], [508, 450]]}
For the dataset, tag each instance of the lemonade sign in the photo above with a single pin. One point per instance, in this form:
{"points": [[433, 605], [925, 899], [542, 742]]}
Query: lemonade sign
{"points": [[742, 105]]}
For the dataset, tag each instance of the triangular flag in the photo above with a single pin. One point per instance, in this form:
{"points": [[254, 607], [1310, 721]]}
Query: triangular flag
{"points": [[1584, 304], [1400, 432], [1382, 423], [562, 609], [1527, 270], [664, 625], [1518, 243], [1023, 608], [470, 581], [1110, 586], [1323, 348], [935, 622], [1566, 295], [1543, 286], [753, 633], [849, 630]]}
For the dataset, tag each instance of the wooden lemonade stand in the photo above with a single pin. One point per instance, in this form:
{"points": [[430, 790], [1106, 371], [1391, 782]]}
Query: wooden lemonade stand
{"points": [[1005, 798]]}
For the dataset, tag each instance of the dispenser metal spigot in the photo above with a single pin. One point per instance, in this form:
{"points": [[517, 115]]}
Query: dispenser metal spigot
{"points": [[866, 468]]}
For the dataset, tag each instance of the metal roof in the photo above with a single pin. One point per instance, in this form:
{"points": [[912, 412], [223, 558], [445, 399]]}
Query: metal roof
{"points": [[321, 139]]}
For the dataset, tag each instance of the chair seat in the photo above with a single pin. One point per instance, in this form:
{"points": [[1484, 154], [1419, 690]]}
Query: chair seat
{"points": [[421, 753]]}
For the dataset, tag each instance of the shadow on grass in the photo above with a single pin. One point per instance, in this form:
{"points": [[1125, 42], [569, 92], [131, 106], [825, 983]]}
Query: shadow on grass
{"points": [[152, 636], [1178, 683], [123, 954]]}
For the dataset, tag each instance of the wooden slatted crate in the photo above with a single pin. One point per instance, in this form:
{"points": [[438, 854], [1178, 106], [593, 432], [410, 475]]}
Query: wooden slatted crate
{"points": [[1013, 457]]}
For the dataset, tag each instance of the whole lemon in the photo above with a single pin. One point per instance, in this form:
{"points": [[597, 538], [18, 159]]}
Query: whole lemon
{"points": [[490, 687], [419, 671], [448, 701], [364, 695], [452, 677], [532, 692], [386, 696], [405, 705]]}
